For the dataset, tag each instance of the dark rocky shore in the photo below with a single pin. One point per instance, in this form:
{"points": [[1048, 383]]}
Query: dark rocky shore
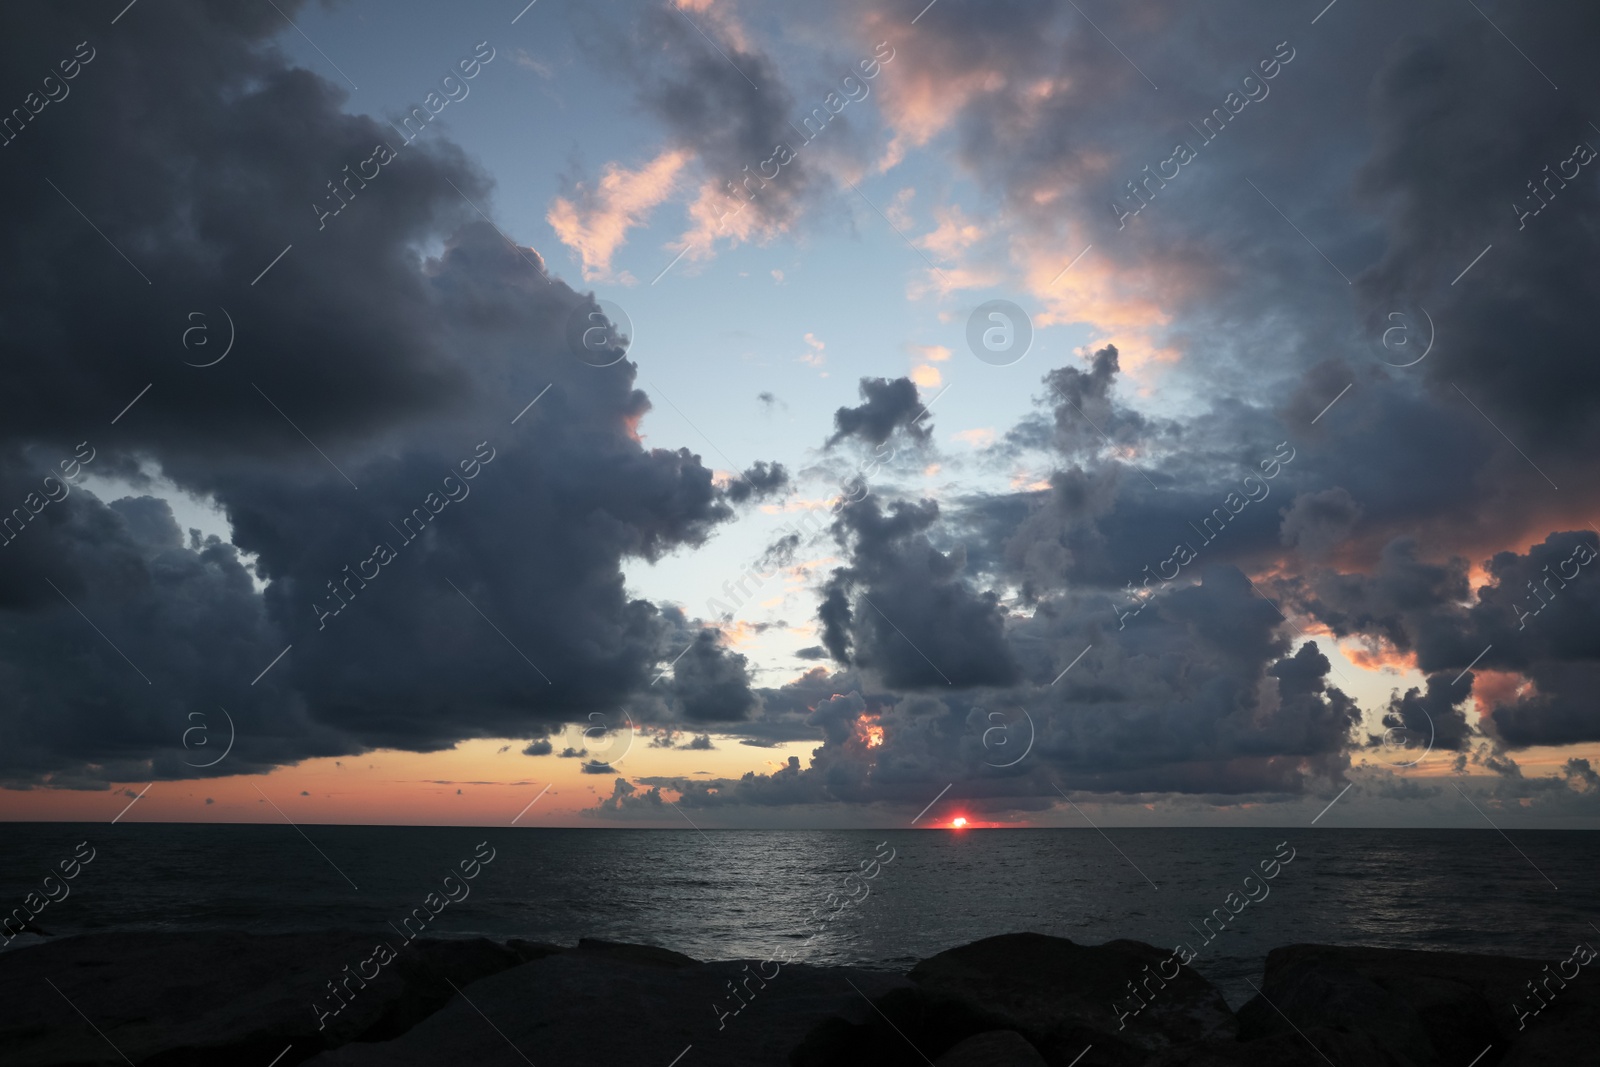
{"points": [[160, 1000]]}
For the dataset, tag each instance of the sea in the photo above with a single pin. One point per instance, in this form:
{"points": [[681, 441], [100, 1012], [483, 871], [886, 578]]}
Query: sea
{"points": [[747, 894]]}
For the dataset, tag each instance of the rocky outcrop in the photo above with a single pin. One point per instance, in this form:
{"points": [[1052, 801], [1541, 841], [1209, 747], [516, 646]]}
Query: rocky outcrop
{"points": [[1019, 1000], [172, 999], [625, 1005], [1060, 997], [993, 1048], [1415, 1009], [1318, 1004]]}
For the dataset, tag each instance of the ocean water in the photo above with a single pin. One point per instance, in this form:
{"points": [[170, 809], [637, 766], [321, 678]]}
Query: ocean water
{"points": [[746, 894]]}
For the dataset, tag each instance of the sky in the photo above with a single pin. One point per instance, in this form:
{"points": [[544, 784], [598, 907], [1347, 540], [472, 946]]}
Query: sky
{"points": [[719, 413]]}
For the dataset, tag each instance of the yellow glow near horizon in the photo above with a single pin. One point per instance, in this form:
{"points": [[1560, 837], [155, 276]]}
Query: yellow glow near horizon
{"points": [[483, 782]]}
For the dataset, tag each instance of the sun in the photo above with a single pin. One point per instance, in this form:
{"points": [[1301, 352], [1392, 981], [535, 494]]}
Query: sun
{"points": [[958, 822]]}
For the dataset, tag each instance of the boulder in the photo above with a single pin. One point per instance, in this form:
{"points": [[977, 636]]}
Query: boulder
{"points": [[1059, 996], [528, 951], [993, 1048], [1421, 1007], [1314, 1048], [166, 999], [648, 955], [903, 1028], [624, 1005], [1058, 993]]}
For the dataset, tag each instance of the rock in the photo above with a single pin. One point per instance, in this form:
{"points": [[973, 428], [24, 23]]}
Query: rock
{"points": [[993, 1048], [193, 999], [179, 998], [904, 1028], [585, 1007], [1056, 994], [528, 951], [1312, 1049], [645, 954], [1421, 1007], [1567, 1030], [1547, 1045], [1061, 995]]}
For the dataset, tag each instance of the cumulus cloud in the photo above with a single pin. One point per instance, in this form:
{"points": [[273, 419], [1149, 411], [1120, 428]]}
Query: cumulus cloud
{"points": [[905, 609], [1316, 522], [887, 405], [463, 524], [1408, 523]]}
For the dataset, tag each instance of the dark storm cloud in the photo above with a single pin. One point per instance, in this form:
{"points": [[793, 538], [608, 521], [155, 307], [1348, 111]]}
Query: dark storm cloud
{"points": [[1208, 699], [760, 481], [1436, 716], [199, 152], [1400, 193], [786, 711], [1521, 165], [1539, 617], [1402, 477], [1202, 695], [1316, 522], [474, 581], [887, 405], [176, 610], [711, 684], [219, 151], [540, 747], [904, 609], [1085, 410]]}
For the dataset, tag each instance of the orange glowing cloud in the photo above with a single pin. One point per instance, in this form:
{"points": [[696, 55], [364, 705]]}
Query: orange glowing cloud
{"points": [[596, 223], [1497, 689], [716, 215], [1372, 653], [1094, 292], [953, 236], [869, 730], [924, 98], [718, 14]]}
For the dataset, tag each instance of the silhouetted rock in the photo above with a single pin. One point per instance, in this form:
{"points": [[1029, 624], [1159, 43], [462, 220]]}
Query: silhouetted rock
{"points": [[1058, 995], [1021, 1000], [171, 999], [1281, 1050], [993, 1048], [905, 1028], [1051, 989], [645, 954], [528, 951], [1421, 1008], [582, 1008]]}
